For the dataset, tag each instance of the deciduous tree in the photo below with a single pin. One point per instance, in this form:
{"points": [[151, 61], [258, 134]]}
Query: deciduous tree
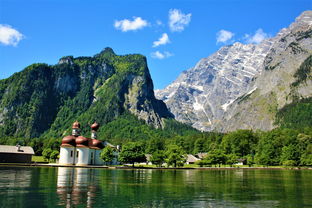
{"points": [[131, 153], [175, 156], [107, 154]]}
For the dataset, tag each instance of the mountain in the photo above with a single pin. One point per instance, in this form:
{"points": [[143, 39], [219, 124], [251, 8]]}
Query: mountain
{"points": [[244, 86], [45, 99]]}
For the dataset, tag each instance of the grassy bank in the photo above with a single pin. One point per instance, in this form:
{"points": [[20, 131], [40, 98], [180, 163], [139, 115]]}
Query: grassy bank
{"points": [[38, 159]]}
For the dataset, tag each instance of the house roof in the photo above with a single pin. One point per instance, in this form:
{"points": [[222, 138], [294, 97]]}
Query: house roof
{"points": [[191, 158], [201, 155], [14, 149]]}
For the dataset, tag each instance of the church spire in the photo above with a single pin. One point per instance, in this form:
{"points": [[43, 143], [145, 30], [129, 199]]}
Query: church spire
{"points": [[76, 128]]}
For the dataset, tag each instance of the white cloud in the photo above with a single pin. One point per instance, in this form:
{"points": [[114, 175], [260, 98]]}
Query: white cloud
{"points": [[224, 35], [257, 37], [127, 25], [9, 35], [178, 20], [160, 55], [163, 40]]}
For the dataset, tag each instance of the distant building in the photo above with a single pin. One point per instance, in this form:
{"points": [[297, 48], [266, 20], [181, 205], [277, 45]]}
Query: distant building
{"points": [[191, 159], [79, 150], [15, 154]]}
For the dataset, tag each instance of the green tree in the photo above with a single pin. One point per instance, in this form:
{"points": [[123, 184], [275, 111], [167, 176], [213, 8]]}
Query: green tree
{"points": [[54, 155], [305, 146], [306, 157], [290, 155], [46, 153], [107, 154], [204, 162], [154, 145], [217, 157], [199, 145], [175, 156], [231, 159], [239, 142], [270, 145], [250, 160], [131, 153], [158, 158], [37, 145]]}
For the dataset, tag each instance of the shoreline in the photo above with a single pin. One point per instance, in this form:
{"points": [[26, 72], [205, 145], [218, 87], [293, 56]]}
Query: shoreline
{"points": [[152, 168]]}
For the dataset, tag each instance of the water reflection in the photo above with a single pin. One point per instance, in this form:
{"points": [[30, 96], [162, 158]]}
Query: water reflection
{"points": [[83, 187], [76, 186], [15, 177]]}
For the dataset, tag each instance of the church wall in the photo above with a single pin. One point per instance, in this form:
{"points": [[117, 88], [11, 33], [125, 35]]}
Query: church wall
{"points": [[67, 155], [83, 156]]}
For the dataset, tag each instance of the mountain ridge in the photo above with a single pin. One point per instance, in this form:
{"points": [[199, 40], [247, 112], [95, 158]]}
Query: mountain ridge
{"points": [[203, 95]]}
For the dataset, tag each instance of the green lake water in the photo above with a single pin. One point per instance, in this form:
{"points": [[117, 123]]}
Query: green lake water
{"points": [[84, 187]]}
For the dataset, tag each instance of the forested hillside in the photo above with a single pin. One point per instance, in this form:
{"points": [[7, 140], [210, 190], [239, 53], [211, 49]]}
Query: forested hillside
{"points": [[44, 100]]}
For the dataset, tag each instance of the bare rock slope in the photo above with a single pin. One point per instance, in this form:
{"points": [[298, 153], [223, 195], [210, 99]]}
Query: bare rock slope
{"points": [[242, 86]]}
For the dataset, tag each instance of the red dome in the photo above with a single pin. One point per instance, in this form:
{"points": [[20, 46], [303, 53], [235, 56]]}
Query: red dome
{"points": [[95, 126], [96, 144], [82, 141], [76, 125], [69, 141]]}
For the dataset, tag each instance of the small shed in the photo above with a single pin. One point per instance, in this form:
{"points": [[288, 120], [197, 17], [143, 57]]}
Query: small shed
{"points": [[191, 159], [16, 154]]}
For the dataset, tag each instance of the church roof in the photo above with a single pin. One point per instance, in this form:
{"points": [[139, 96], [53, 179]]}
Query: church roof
{"points": [[81, 141], [14, 149]]}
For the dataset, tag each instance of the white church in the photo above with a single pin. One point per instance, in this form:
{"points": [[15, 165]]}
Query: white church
{"points": [[79, 150]]}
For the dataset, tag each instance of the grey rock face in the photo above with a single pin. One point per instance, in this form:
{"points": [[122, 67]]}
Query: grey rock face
{"points": [[273, 87], [202, 94], [205, 96], [66, 60], [66, 84], [140, 101]]}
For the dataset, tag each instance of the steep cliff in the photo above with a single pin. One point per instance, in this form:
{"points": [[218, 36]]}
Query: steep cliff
{"points": [[44, 99]]}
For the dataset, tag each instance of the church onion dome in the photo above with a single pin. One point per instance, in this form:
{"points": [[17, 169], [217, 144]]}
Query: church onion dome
{"points": [[96, 144], [69, 141], [76, 125], [82, 141], [95, 126]]}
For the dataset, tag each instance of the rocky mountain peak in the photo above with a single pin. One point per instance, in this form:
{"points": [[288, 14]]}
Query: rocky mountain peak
{"points": [[66, 60], [202, 95], [304, 20]]}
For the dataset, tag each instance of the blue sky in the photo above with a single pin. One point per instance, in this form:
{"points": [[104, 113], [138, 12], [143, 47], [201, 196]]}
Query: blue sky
{"points": [[173, 35]]}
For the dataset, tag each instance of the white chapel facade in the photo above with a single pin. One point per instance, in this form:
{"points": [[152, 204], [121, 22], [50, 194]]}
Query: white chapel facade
{"points": [[79, 150]]}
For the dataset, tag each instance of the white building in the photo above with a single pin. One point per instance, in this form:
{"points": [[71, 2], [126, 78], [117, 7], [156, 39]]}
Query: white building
{"points": [[191, 159], [79, 150]]}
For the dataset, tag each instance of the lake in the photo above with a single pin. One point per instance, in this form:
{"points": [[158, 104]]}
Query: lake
{"points": [[84, 187]]}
